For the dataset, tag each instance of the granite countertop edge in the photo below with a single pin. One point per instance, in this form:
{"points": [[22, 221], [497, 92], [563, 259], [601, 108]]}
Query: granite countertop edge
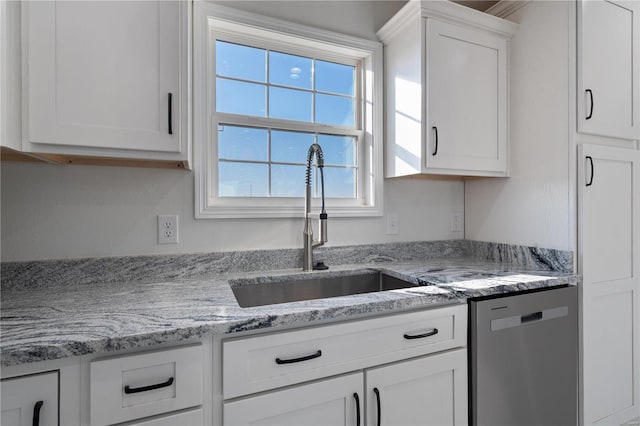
{"points": [[80, 319]]}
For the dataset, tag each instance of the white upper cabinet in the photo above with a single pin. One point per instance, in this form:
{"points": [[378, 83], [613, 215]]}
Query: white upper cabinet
{"points": [[105, 78], [446, 70], [10, 75], [467, 99], [608, 70]]}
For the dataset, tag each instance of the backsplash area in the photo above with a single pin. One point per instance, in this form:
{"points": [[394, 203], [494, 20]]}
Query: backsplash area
{"points": [[36, 274]]}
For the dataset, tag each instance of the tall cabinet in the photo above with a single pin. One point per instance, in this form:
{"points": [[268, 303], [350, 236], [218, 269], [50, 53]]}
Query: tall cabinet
{"points": [[608, 72], [609, 259], [574, 184]]}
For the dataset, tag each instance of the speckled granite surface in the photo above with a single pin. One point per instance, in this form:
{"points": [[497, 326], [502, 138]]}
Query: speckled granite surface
{"points": [[53, 310], [39, 274]]}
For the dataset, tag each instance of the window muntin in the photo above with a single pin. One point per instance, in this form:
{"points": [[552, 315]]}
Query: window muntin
{"points": [[260, 161], [265, 162], [261, 82]]}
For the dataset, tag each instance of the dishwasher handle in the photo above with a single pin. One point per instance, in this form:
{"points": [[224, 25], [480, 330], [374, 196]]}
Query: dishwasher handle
{"points": [[536, 316]]}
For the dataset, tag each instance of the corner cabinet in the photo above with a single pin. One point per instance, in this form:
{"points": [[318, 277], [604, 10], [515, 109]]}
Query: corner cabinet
{"points": [[608, 68], [446, 71], [106, 79]]}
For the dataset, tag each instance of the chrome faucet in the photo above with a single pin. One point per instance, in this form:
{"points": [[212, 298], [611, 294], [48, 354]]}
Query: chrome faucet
{"points": [[307, 233]]}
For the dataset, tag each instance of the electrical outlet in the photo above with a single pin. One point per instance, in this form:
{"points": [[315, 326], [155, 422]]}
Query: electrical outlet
{"points": [[455, 222], [167, 229], [392, 224]]}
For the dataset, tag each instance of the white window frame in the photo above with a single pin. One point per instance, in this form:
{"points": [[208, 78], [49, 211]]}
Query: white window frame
{"points": [[213, 21]]}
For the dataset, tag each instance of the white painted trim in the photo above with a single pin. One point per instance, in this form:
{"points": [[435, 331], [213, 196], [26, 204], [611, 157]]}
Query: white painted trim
{"points": [[287, 29], [504, 8], [369, 51], [449, 12]]}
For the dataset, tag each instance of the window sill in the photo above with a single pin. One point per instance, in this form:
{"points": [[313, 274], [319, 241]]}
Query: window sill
{"points": [[269, 212]]}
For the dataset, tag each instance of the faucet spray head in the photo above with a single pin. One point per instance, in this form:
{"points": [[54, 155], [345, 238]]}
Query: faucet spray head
{"points": [[316, 150]]}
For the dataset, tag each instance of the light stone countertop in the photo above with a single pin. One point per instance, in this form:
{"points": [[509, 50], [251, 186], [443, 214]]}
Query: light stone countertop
{"points": [[57, 321]]}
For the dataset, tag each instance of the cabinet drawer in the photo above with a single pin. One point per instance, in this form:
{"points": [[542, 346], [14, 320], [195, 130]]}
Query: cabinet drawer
{"points": [[135, 386], [30, 400], [255, 364]]}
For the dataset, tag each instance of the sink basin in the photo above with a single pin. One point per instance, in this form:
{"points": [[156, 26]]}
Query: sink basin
{"points": [[258, 292]]}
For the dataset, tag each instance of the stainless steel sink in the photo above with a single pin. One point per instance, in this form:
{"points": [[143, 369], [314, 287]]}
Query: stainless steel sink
{"points": [[258, 292]]}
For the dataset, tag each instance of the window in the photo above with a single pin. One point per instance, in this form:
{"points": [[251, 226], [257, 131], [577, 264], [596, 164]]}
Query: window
{"points": [[264, 91]]}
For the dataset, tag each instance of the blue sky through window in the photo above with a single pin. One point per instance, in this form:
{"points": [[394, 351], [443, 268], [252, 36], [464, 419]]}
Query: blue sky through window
{"points": [[269, 162]]}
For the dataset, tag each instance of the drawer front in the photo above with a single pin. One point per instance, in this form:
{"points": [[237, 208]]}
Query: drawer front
{"points": [[30, 400], [135, 386], [255, 364]]}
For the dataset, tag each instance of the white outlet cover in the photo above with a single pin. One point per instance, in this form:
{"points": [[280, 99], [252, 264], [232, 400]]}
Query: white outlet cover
{"points": [[456, 224], [392, 224], [167, 229]]}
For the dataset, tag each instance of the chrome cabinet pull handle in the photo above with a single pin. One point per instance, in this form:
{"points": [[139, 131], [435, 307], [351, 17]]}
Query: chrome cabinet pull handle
{"points": [[377, 392], [420, 336], [302, 358], [128, 389], [588, 157], [435, 151], [170, 102], [357, 398], [591, 104], [36, 413]]}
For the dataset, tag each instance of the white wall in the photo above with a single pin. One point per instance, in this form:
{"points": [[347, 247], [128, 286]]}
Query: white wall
{"points": [[532, 207], [52, 211]]}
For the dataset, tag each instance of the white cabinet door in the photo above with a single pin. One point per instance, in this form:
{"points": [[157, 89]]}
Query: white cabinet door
{"points": [[608, 70], [30, 400], [185, 418], [426, 391], [332, 402], [609, 260], [103, 75], [466, 99], [10, 113]]}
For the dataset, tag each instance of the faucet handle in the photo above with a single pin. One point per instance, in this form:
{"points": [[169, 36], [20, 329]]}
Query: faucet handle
{"points": [[323, 227]]}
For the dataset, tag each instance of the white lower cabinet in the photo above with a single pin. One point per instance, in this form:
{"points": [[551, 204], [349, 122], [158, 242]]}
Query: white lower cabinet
{"points": [[403, 369], [30, 400], [135, 386], [187, 418], [337, 401], [428, 391]]}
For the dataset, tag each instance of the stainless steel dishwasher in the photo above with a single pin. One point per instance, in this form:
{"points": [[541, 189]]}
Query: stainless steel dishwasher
{"points": [[523, 359]]}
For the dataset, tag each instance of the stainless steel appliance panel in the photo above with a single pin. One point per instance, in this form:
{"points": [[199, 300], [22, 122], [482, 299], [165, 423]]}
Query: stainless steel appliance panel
{"points": [[524, 359]]}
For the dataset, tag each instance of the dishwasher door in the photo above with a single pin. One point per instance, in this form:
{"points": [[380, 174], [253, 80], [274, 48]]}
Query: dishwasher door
{"points": [[523, 359]]}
